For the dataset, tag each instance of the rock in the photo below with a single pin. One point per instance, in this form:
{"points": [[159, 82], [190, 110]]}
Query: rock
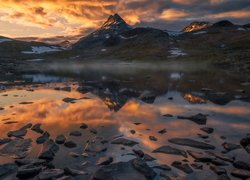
{"points": [[223, 177], [34, 162], [218, 170], [168, 115], [200, 119], [37, 128], [170, 150], [74, 172], [67, 88], [245, 142], [93, 131], [183, 167], [125, 142], [230, 146], [69, 100], [28, 171], [203, 136], [139, 153], [49, 174], [74, 155], [137, 124], [152, 138], [197, 166], [240, 173], [191, 143], [70, 144], [49, 150], [207, 130], [142, 167], [221, 156], [84, 126], [26, 103], [6, 169], [17, 148], [95, 146], [60, 139], [104, 161], [43, 138], [202, 175], [148, 158], [18, 133], [242, 165], [132, 131], [75, 133], [201, 156], [163, 167], [4, 141], [163, 131]]}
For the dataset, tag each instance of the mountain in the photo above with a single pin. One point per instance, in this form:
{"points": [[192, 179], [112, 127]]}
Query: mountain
{"points": [[195, 26]]}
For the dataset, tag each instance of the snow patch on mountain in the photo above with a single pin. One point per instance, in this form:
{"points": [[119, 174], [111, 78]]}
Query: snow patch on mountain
{"points": [[200, 32], [4, 40], [42, 49]]}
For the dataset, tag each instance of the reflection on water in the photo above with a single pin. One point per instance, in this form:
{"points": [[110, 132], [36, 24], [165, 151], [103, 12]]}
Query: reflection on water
{"points": [[112, 105]]}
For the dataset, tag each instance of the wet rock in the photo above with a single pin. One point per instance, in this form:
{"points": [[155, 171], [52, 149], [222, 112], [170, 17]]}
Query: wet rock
{"points": [[49, 150], [183, 167], [74, 172], [223, 177], [84, 126], [170, 150], [74, 155], [28, 171], [240, 173], [11, 122], [125, 142], [200, 119], [95, 146], [152, 138], [207, 130], [94, 131], [168, 115], [197, 166], [132, 131], [230, 146], [43, 138], [34, 162], [18, 133], [75, 133], [6, 169], [67, 88], [142, 167], [203, 136], [17, 148], [163, 131], [218, 170], [202, 175], [163, 167], [4, 141], [245, 142], [26, 103], [37, 128], [69, 100], [70, 144], [147, 157], [104, 161], [60, 139], [242, 165], [1, 109], [139, 153], [223, 157], [49, 174], [137, 124], [191, 143], [201, 156]]}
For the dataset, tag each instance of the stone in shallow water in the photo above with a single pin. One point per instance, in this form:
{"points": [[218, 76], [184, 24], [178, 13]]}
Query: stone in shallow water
{"points": [[51, 174], [170, 150], [60, 139], [17, 148], [218, 170], [35, 162], [74, 172], [95, 146], [37, 128], [163, 167], [125, 142], [70, 144], [49, 150], [94, 131], [104, 161], [43, 138], [191, 143], [6, 169], [245, 142], [207, 130], [75, 133], [4, 141], [142, 167], [28, 171], [18, 133], [240, 173], [152, 138], [221, 156], [200, 119], [69, 100], [230, 146], [84, 126], [163, 131], [242, 165], [183, 167]]}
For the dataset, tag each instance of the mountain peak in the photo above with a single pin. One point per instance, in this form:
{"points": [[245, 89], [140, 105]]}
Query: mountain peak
{"points": [[194, 26], [114, 21]]}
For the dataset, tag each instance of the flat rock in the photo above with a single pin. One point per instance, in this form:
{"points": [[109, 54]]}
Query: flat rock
{"points": [[142, 167], [75, 133], [49, 150], [163, 131], [152, 138], [170, 150], [163, 167], [84, 126], [230, 146], [218, 170], [4, 141], [200, 119], [28, 171], [37, 128], [74, 172], [6, 169], [34, 162], [69, 100], [51, 174], [207, 130], [183, 167], [242, 165], [191, 143], [17, 148], [221, 156], [240, 173], [18, 133], [70, 144], [202, 175], [43, 138], [201, 156], [245, 142], [125, 142], [197, 166], [147, 157], [104, 161], [60, 139], [95, 146]]}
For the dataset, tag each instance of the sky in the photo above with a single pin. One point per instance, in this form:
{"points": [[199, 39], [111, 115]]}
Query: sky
{"points": [[45, 18]]}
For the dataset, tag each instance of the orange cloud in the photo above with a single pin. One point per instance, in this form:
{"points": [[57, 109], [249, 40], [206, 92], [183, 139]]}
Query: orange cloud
{"points": [[173, 14], [232, 14]]}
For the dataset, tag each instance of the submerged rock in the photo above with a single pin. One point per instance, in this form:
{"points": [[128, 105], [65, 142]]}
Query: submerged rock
{"points": [[60, 139], [37, 128], [17, 148], [95, 146], [191, 143], [104, 161], [170, 150], [43, 138], [70, 144], [183, 167], [200, 119], [51, 174], [75, 133], [6, 169], [34, 162], [125, 142], [49, 150]]}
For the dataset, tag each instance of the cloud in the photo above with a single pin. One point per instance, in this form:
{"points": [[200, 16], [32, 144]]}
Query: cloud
{"points": [[173, 14]]}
